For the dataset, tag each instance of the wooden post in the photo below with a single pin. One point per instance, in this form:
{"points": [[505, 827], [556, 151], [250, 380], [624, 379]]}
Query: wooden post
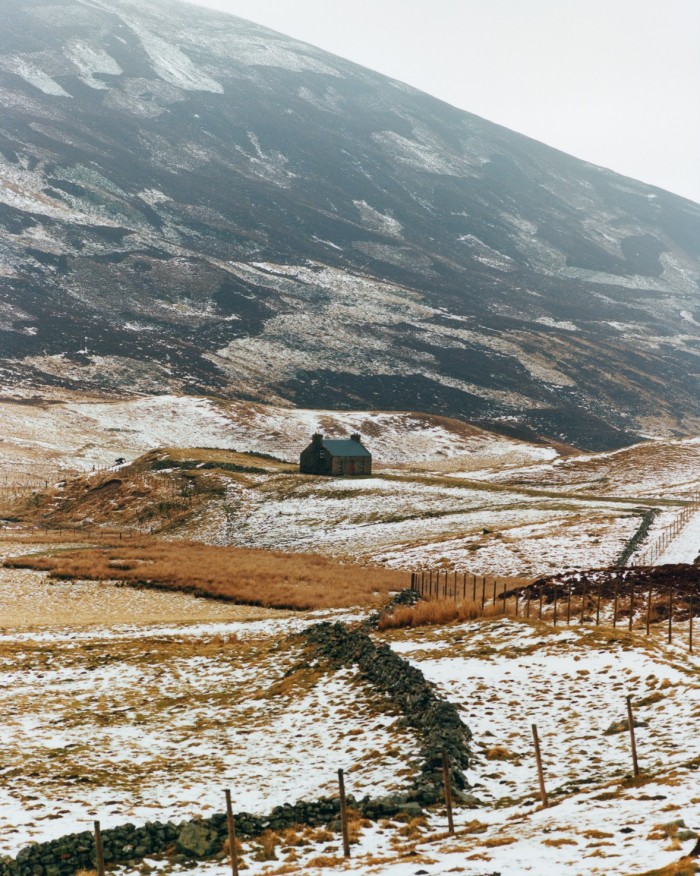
{"points": [[617, 586], [503, 599], [690, 624], [446, 583], [455, 585], [344, 815], [232, 844], [556, 596], [448, 791], [99, 851], [430, 584], [541, 595], [630, 718], [649, 606], [495, 584], [583, 601], [631, 603], [528, 605], [474, 588], [568, 605], [464, 588], [597, 607], [540, 771], [670, 615], [483, 593]]}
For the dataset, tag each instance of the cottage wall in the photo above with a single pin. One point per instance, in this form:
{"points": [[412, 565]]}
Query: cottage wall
{"points": [[351, 465], [315, 460]]}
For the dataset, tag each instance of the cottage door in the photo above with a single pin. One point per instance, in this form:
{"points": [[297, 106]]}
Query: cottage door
{"points": [[352, 466]]}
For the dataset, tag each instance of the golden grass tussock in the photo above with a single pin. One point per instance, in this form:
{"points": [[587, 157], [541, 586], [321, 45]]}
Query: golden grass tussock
{"points": [[272, 579], [438, 612], [684, 867]]}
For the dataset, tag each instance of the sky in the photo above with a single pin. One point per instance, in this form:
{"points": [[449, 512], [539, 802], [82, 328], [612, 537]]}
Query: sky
{"points": [[615, 82]]}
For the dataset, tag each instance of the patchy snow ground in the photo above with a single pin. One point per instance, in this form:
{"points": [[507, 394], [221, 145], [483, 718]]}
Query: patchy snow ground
{"points": [[142, 728], [686, 546], [446, 494], [505, 675]]}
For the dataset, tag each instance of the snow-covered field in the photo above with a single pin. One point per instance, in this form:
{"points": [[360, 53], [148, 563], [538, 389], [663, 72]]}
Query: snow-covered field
{"points": [[503, 674], [142, 722], [136, 711]]}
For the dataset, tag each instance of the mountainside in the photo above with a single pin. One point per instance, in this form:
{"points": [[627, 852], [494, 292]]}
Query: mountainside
{"points": [[192, 203]]}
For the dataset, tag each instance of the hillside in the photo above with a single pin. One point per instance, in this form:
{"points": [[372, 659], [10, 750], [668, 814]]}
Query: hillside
{"points": [[192, 203]]}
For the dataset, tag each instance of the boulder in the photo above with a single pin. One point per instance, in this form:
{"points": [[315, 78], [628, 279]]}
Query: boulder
{"points": [[198, 840]]}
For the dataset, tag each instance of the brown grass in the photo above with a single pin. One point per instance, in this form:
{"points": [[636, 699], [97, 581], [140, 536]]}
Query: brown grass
{"points": [[438, 612], [245, 576]]}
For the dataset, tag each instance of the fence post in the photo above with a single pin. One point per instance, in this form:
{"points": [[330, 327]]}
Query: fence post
{"points": [[556, 597], [540, 771], [597, 607], [474, 588], [670, 615], [495, 584], [649, 606], [539, 617], [633, 742], [99, 851], [483, 593], [232, 845], [464, 588], [631, 603], [455, 585], [568, 605], [617, 587], [583, 601], [690, 623], [343, 815], [448, 791]]}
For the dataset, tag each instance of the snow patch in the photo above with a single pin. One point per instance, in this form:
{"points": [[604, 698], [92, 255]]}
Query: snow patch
{"points": [[172, 64], [378, 221], [35, 76], [91, 60]]}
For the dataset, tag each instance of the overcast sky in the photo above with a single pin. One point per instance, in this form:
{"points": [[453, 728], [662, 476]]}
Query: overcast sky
{"points": [[616, 82]]}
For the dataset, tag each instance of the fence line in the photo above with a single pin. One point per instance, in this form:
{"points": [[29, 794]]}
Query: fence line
{"points": [[669, 533], [634, 604]]}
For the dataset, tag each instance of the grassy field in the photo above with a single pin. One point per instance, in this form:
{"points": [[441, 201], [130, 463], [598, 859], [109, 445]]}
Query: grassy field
{"points": [[250, 577]]}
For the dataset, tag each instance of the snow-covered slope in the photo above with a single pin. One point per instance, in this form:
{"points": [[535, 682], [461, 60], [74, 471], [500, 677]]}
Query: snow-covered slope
{"points": [[190, 202]]}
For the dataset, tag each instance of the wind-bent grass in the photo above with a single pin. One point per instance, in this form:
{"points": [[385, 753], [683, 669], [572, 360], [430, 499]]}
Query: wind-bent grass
{"points": [[272, 579]]}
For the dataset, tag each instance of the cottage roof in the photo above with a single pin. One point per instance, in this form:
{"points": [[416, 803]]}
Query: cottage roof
{"points": [[345, 447]]}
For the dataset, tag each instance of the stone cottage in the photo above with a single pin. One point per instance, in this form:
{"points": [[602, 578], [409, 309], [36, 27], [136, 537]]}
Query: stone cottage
{"points": [[336, 457]]}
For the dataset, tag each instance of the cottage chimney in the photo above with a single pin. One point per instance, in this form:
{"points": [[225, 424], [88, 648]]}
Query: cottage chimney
{"points": [[317, 439], [356, 437]]}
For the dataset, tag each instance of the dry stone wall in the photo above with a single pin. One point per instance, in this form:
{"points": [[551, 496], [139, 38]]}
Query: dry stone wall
{"points": [[436, 721]]}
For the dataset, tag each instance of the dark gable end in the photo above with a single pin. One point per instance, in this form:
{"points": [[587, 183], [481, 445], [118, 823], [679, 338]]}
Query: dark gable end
{"points": [[346, 457]]}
